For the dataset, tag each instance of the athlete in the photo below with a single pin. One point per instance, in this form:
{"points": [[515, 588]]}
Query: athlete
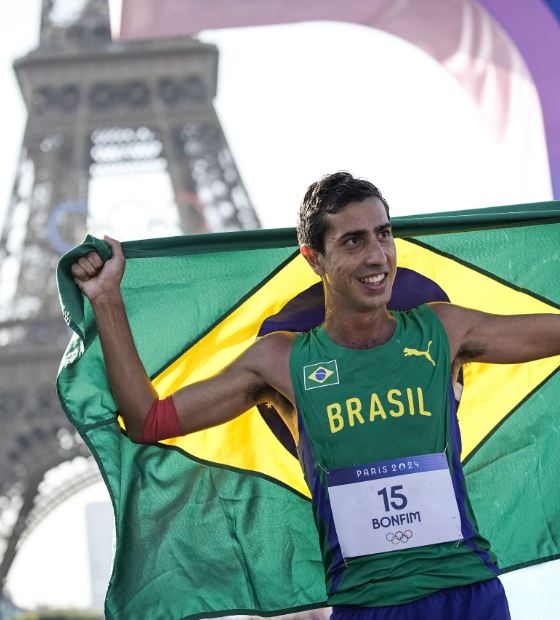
{"points": [[366, 398]]}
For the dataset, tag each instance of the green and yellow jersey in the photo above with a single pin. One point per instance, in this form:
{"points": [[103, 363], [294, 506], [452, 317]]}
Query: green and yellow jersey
{"points": [[363, 407]]}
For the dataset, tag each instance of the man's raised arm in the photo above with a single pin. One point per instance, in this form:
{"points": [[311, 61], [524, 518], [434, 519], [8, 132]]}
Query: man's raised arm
{"points": [[498, 339], [201, 405]]}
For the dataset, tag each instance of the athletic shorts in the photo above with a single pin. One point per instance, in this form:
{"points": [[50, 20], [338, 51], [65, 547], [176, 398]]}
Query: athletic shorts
{"points": [[485, 600]]}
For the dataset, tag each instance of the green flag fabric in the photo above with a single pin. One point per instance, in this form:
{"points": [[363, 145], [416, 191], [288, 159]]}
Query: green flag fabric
{"points": [[220, 522]]}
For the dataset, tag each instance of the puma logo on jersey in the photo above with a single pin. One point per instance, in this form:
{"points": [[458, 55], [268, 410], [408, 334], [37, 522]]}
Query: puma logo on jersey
{"points": [[408, 352]]}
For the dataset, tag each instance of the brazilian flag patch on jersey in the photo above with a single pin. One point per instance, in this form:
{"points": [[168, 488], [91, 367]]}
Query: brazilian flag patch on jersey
{"points": [[320, 375]]}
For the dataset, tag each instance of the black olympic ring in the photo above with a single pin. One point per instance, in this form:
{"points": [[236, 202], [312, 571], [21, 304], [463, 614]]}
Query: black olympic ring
{"points": [[399, 536]]}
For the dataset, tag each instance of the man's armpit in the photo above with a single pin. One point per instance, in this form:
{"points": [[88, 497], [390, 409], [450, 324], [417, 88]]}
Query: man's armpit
{"points": [[469, 352], [258, 393]]}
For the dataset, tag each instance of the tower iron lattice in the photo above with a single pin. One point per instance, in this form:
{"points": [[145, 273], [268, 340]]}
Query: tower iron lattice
{"points": [[93, 105]]}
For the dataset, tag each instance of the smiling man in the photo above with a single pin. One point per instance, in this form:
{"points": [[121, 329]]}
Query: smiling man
{"points": [[366, 397]]}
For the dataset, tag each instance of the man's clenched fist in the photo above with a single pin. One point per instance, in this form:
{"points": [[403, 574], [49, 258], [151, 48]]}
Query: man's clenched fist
{"points": [[96, 279]]}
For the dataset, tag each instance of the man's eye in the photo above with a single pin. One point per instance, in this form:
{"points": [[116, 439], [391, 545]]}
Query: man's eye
{"points": [[386, 233], [353, 241]]}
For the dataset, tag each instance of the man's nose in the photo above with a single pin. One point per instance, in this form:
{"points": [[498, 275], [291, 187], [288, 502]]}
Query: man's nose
{"points": [[376, 254]]}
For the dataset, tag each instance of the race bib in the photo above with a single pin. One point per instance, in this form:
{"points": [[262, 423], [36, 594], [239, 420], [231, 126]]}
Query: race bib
{"points": [[394, 505]]}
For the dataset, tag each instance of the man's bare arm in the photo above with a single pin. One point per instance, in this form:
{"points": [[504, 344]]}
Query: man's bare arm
{"points": [[498, 339], [202, 405], [259, 375]]}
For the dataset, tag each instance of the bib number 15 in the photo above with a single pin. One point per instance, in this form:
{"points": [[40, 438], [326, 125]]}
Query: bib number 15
{"points": [[398, 505]]}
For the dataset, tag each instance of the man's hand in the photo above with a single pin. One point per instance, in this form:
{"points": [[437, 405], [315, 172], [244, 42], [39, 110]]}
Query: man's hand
{"points": [[96, 279]]}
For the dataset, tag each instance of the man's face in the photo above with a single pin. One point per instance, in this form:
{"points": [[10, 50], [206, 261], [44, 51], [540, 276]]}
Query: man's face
{"points": [[360, 260]]}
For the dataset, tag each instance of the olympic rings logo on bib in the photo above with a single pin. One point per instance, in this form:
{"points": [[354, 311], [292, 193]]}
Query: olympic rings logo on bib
{"points": [[399, 537]]}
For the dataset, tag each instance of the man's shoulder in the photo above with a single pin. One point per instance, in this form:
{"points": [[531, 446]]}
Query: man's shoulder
{"points": [[449, 314], [269, 358], [276, 342], [274, 348], [279, 336], [441, 308]]}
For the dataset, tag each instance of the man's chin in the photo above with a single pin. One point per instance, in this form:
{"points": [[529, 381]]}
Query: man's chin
{"points": [[366, 301], [374, 302]]}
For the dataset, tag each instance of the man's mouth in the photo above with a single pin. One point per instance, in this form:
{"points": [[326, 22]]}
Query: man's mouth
{"points": [[373, 279]]}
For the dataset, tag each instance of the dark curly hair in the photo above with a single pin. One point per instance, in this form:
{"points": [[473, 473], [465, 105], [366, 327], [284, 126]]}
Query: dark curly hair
{"points": [[329, 195]]}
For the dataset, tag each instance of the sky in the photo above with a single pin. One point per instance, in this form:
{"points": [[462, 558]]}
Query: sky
{"points": [[295, 102]]}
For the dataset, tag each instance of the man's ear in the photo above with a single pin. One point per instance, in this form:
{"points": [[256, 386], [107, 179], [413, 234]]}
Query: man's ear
{"points": [[314, 258]]}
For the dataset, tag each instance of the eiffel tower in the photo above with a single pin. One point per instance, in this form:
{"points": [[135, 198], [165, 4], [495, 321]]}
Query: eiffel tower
{"points": [[94, 105]]}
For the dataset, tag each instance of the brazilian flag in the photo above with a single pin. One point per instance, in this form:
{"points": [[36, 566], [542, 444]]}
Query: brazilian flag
{"points": [[220, 522]]}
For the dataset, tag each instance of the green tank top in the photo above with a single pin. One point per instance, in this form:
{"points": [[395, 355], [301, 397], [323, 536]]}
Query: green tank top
{"points": [[359, 407]]}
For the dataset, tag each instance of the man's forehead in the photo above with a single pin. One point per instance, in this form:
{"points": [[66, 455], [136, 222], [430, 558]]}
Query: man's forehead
{"points": [[367, 214]]}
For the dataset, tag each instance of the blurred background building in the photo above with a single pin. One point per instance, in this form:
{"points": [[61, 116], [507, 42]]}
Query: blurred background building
{"points": [[96, 109]]}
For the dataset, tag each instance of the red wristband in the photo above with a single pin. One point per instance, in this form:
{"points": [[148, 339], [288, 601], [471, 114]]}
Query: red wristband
{"points": [[161, 423]]}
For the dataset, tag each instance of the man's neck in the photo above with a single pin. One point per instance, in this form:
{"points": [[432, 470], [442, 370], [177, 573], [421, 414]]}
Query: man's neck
{"points": [[359, 330]]}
